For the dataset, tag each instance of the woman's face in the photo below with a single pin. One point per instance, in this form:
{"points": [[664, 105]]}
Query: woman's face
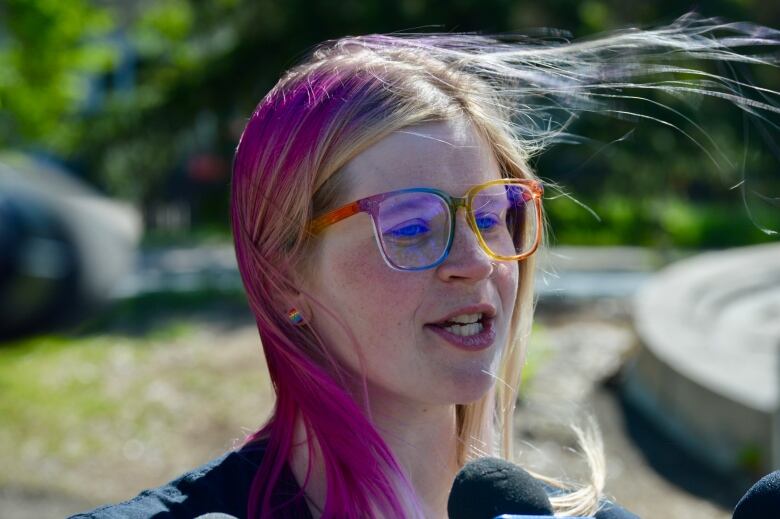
{"points": [[404, 322]]}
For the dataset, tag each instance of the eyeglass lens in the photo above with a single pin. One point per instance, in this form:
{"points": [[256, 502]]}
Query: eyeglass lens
{"points": [[414, 227], [506, 219]]}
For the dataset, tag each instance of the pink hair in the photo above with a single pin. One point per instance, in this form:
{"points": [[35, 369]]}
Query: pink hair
{"points": [[277, 164]]}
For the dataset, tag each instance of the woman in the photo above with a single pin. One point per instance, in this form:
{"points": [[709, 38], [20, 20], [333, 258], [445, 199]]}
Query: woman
{"points": [[387, 383], [385, 219]]}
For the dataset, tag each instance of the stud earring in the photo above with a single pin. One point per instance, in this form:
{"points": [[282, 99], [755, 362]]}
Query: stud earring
{"points": [[295, 316]]}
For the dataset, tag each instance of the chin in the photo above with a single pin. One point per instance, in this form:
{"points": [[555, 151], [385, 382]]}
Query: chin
{"points": [[473, 381], [472, 388]]}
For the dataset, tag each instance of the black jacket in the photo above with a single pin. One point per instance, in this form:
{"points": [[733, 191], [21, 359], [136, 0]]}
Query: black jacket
{"points": [[223, 484]]}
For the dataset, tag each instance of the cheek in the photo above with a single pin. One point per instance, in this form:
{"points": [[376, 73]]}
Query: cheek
{"points": [[384, 297], [508, 278], [365, 293]]}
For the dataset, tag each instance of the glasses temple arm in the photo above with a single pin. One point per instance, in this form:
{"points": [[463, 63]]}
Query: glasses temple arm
{"points": [[321, 222]]}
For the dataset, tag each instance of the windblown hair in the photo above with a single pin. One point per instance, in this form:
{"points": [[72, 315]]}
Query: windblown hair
{"points": [[353, 92]]}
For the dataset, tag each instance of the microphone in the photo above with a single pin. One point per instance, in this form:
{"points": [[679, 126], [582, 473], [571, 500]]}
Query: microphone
{"points": [[762, 500], [488, 487]]}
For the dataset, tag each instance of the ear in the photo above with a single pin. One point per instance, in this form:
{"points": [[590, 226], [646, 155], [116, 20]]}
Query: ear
{"points": [[299, 310], [292, 297]]}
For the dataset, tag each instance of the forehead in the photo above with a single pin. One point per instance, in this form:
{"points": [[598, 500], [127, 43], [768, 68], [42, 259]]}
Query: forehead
{"points": [[450, 156]]}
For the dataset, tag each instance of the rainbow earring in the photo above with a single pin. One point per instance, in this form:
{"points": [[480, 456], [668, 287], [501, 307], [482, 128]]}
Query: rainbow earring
{"points": [[295, 316]]}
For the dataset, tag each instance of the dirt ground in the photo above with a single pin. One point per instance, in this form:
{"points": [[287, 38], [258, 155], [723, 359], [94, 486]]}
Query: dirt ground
{"points": [[581, 376], [578, 373]]}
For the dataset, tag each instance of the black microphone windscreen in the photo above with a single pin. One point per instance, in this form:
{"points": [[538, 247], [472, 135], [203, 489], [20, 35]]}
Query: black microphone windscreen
{"points": [[762, 500], [488, 487]]}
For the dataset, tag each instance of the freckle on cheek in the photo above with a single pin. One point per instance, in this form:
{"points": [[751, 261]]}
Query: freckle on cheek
{"points": [[368, 278], [356, 269]]}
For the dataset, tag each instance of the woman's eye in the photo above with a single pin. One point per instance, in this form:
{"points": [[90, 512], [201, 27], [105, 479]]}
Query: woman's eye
{"points": [[407, 230], [487, 221]]}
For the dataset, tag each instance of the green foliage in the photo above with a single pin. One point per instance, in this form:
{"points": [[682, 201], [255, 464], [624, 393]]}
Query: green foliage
{"points": [[50, 51], [752, 459], [615, 220], [595, 15], [163, 23], [538, 352], [199, 68]]}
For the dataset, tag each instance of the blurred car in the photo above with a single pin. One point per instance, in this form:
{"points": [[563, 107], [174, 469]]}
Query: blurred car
{"points": [[63, 246]]}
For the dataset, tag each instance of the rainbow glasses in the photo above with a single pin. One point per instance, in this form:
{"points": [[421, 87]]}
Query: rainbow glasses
{"points": [[414, 228]]}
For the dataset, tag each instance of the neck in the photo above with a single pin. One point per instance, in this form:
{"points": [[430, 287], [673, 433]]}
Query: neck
{"points": [[424, 442]]}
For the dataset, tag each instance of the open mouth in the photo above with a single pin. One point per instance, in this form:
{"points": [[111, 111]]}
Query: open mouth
{"points": [[472, 331], [465, 325]]}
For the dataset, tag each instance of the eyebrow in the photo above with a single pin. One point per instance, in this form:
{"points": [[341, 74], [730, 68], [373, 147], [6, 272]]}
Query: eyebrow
{"points": [[417, 203]]}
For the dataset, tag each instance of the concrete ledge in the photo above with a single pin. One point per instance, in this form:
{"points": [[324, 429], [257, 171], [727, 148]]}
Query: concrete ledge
{"points": [[708, 368]]}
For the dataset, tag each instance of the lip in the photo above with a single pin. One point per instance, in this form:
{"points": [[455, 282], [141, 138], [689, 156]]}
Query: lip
{"points": [[478, 342]]}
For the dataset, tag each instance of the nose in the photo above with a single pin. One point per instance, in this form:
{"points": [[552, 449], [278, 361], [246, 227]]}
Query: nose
{"points": [[466, 260]]}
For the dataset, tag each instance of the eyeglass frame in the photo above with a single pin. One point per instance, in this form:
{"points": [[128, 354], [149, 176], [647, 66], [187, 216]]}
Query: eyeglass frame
{"points": [[371, 203]]}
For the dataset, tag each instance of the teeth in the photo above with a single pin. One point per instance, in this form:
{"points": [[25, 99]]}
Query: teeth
{"points": [[465, 330], [466, 318]]}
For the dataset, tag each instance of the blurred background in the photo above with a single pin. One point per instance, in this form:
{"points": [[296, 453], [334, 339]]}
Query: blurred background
{"points": [[127, 352]]}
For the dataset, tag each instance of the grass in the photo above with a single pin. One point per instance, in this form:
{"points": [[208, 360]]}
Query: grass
{"points": [[137, 388], [52, 383]]}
